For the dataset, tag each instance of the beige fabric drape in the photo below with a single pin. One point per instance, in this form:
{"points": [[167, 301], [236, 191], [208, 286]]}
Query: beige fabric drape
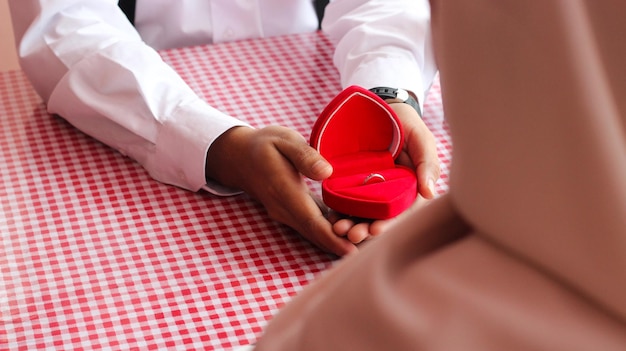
{"points": [[528, 249]]}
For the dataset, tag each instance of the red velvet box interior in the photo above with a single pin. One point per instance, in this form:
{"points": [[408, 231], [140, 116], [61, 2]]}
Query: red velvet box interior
{"points": [[360, 135]]}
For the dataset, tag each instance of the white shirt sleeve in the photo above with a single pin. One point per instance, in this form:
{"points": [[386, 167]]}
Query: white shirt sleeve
{"points": [[92, 68], [382, 43]]}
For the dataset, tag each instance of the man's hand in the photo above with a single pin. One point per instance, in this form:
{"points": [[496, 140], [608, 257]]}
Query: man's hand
{"points": [[420, 149], [419, 153], [268, 164]]}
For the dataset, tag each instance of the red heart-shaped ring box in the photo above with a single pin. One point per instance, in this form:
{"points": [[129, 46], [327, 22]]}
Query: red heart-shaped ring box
{"points": [[361, 136]]}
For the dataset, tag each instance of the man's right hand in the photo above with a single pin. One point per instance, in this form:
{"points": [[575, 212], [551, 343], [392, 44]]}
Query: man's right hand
{"points": [[268, 164]]}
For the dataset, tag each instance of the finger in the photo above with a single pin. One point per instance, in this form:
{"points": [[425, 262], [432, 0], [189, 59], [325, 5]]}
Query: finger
{"points": [[320, 232], [313, 225], [359, 232], [342, 226], [326, 212], [380, 226], [306, 159], [405, 160], [427, 174], [421, 147], [292, 204], [334, 216]]}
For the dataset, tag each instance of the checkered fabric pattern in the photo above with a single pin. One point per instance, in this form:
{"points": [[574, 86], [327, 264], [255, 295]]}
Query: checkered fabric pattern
{"points": [[95, 254]]}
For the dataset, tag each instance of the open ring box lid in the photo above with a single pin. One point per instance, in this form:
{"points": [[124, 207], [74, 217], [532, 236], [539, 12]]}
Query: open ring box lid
{"points": [[361, 136]]}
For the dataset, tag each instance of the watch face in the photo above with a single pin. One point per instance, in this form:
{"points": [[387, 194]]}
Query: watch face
{"points": [[402, 94]]}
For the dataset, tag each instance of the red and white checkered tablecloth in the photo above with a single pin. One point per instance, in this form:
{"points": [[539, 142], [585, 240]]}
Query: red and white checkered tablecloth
{"points": [[95, 254]]}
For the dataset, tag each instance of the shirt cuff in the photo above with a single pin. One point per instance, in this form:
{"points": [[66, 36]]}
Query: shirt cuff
{"points": [[183, 143]]}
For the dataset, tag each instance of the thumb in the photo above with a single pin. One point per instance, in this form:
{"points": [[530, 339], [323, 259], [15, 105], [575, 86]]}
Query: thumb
{"points": [[306, 159]]}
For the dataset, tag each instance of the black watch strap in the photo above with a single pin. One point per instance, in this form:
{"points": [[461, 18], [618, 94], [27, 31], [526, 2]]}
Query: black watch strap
{"points": [[400, 95]]}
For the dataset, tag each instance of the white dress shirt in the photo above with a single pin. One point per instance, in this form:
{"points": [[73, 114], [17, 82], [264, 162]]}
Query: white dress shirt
{"points": [[70, 49]]}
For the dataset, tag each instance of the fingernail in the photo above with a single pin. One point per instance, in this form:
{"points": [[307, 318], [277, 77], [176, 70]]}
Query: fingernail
{"points": [[431, 186]]}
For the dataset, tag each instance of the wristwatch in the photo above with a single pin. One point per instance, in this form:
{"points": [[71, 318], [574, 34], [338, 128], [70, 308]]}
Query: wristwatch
{"points": [[392, 95]]}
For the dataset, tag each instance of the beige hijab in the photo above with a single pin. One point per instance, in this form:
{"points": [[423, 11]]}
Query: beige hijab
{"points": [[528, 249]]}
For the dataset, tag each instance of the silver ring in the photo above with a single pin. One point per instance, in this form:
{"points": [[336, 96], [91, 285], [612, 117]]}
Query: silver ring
{"points": [[373, 178]]}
